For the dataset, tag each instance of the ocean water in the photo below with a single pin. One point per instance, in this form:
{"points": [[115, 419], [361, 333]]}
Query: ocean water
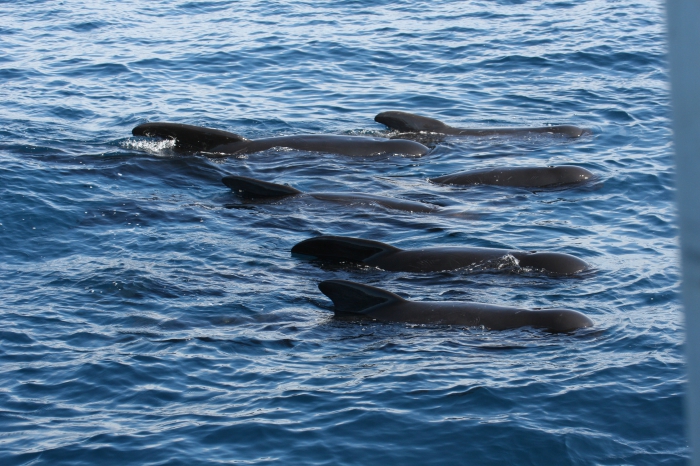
{"points": [[149, 316]]}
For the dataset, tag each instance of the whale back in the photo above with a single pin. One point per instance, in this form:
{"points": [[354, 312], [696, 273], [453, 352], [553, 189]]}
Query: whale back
{"points": [[524, 177], [375, 199], [188, 137], [559, 320], [411, 123], [342, 249], [356, 146], [251, 188], [356, 298], [552, 262]]}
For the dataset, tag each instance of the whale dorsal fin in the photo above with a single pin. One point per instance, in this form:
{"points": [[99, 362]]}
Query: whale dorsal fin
{"points": [[252, 188], [409, 122], [340, 249], [188, 137], [356, 298]]}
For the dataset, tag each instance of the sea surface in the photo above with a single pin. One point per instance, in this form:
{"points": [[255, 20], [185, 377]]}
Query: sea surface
{"points": [[150, 316]]}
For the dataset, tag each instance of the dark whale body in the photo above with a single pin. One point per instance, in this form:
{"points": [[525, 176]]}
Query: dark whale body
{"points": [[411, 123], [373, 253], [196, 138], [524, 177], [353, 300], [251, 188]]}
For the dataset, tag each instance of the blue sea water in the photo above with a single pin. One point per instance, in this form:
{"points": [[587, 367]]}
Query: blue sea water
{"points": [[149, 316]]}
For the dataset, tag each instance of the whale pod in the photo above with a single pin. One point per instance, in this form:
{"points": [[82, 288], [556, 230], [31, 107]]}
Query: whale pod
{"points": [[387, 257], [196, 138], [524, 177], [411, 123], [356, 300], [252, 188]]}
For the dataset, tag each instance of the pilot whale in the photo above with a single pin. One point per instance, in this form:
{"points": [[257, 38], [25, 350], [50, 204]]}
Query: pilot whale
{"points": [[390, 258], [252, 188], [196, 138], [411, 123], [523, 177], [353, 300]]}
